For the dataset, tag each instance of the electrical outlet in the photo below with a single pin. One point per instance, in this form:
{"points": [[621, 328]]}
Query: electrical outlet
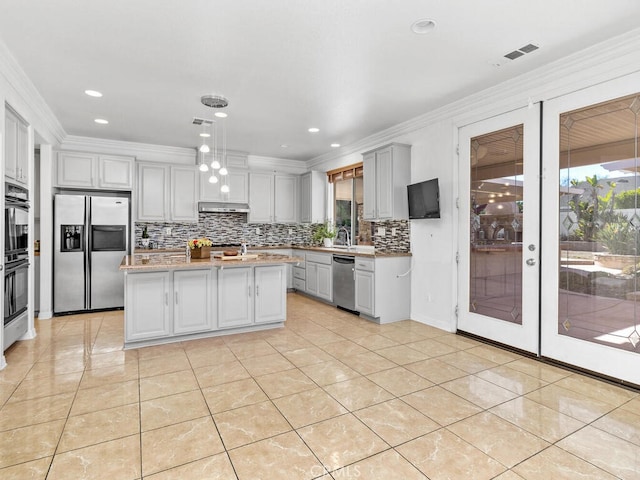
{"points": [[257, 230], [167, 230], [394, 231], [381, 231]]}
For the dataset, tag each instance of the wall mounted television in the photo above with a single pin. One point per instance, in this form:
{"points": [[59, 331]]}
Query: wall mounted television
{"points": [[424, 199]]}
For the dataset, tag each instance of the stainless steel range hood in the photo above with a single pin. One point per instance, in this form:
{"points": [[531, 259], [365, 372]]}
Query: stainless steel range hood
{"points": [[221, 207]]}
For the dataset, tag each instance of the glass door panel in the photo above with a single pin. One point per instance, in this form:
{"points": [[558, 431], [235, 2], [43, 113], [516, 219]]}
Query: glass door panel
{"points": [[591, 299], [499, 229], [495, 243]]}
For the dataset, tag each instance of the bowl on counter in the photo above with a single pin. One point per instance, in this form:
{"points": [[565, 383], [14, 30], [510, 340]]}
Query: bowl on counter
{"points": [[230, 253]]}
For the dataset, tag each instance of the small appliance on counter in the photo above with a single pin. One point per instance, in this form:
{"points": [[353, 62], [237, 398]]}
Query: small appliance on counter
{"points": [[91, 235]]}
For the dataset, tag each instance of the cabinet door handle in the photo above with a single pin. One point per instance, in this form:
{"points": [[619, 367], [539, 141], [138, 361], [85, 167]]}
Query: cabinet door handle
{"points": [[176, 298], [166, 299], [249, 290], [257, 290]]}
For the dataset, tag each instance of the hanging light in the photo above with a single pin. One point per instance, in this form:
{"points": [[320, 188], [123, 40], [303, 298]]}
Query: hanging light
{"points": [[202, 164], [215, 164], [219, 155]]}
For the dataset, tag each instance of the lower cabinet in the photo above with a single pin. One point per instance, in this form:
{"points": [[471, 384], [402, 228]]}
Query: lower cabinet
{"points": [[270, 299], [319, 276], [235, 297], [251, 295], [164, 304], [365, 292], [383, 288], [194, 301], [147, 311]]}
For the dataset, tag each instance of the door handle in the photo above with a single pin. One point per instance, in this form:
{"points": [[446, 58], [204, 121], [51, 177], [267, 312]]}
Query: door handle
{"points": [[531, 262]]}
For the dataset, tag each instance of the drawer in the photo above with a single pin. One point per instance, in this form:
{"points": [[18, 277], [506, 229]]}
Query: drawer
{"points": [[299, 284], [366, 264], [299, 272], [319, 258]]}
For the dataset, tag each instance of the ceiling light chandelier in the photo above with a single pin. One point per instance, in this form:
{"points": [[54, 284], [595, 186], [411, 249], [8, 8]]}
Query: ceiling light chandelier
{"points": [[219, 160], [202, 164]]}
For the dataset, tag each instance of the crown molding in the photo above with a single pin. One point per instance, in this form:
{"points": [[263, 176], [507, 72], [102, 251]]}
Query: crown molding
{"points": [[141, 151], [257, 162], [609, 59], [23, 96]]}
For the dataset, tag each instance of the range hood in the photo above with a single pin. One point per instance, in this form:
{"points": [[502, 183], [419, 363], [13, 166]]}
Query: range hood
{"points": [[221, 207]]}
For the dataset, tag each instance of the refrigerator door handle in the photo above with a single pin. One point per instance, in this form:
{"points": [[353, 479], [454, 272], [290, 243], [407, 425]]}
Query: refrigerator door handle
{"points": [[87, 252]]}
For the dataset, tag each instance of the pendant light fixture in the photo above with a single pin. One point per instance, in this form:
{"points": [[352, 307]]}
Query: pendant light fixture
{"points": [[219, 149]]}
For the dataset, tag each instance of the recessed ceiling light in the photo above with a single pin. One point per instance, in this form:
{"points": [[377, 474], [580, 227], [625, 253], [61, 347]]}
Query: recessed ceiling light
{"points": [[314, 130], [423, 26], [93, 93], [220, 115], [101, 121], [205, 135], [335, 145], [284, 145]]}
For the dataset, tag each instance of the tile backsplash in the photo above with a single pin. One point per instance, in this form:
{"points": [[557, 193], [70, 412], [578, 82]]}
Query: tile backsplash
{"points": [[400, 242], [233, 229]]}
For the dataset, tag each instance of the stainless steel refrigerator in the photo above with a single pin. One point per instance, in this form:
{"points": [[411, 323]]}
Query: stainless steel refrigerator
{"points": [[91, 235]]}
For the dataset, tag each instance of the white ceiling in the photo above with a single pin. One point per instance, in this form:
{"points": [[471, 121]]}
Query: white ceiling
{"points": [[349, 67]]}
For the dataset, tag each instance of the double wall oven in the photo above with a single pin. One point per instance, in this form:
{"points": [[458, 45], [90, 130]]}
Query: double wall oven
{"points": [[16, 263]]}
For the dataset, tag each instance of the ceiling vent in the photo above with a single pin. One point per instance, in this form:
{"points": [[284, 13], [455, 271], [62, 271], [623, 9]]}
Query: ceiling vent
{"points": [[214, 101], [522, 51], [202, 121]]}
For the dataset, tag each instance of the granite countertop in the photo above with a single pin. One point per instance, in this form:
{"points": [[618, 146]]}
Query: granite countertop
{"points": [[354, 251], [168, 260]]}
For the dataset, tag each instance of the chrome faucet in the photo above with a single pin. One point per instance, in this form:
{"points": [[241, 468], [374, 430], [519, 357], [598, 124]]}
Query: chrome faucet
{"points": [[346, 231]]}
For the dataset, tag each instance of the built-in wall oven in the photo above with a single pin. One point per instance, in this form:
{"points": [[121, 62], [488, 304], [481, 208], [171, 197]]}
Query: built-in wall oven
{"points": [[16, 263]]}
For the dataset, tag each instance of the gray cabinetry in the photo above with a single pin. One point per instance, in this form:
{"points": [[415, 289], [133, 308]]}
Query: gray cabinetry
{"points": [[386, 176], [94, 171], [167, 193]]}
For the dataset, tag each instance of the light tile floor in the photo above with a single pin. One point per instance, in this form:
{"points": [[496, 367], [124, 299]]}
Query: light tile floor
{"points": [[329, 396]]}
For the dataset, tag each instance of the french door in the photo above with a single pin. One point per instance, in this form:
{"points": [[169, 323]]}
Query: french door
{"points": [[575, 297], [591, 237], [498, 277]]}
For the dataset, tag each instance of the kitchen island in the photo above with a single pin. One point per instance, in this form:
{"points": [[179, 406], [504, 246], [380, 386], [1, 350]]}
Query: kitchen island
{"points": [[171, 298]]}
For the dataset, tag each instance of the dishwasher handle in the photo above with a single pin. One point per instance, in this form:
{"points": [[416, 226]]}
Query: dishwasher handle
{"points": [[344, 259]]}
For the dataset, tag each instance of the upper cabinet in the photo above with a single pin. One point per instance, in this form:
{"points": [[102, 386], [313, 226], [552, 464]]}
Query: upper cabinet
{"points": [[16, 148], [167, 193], [237, 179], [90, 170], [386, 176], [273, 198], [313, 189]]}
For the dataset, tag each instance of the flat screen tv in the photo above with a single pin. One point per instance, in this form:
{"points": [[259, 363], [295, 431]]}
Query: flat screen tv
{"points": [[424, 199]]}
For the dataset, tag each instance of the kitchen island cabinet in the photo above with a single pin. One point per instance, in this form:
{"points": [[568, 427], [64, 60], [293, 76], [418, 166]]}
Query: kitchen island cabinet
{"points": [[146, 298], [170, 298]]}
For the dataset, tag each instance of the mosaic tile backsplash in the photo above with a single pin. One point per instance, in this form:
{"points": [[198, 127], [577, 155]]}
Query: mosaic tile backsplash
{"points": [[233, 229]]}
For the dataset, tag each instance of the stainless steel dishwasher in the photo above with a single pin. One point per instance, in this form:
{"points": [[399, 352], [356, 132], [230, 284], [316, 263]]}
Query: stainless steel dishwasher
{"points": [[344, 282]]}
